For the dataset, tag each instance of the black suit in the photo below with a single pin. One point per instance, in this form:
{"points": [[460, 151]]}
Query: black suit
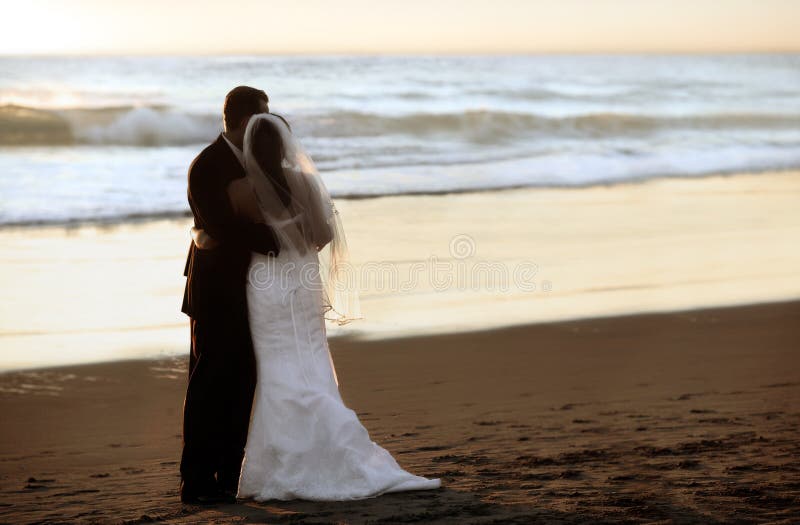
{"points": [[222, 372]]}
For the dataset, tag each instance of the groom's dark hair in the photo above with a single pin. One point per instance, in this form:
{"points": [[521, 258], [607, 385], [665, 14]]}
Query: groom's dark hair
{"points": [[241, 102]]}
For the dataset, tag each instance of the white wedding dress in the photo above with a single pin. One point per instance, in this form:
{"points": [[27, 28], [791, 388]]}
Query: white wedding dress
{"points": [[303, 442]]}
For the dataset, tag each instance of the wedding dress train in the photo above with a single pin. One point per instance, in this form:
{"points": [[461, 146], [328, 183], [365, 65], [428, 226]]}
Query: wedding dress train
{"points": [[303, 442]]}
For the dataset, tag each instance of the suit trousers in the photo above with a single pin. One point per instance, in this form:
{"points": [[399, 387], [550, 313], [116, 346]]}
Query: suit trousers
{"points": [[219, 398]]}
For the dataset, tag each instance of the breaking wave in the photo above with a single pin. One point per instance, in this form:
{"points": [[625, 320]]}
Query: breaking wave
{"points": [[161, 126]]}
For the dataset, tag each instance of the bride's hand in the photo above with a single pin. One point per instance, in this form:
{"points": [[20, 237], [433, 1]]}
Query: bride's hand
{"points": [[203, 240]]}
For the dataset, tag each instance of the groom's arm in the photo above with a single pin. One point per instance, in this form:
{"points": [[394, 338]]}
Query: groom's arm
{"points": [[210, 202]]}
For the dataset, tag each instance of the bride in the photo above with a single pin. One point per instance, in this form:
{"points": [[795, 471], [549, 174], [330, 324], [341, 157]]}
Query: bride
{"points": [[303, 442]]}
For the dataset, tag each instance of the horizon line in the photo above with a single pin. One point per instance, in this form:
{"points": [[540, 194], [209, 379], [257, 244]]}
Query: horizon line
{"points": [[396, 53]]}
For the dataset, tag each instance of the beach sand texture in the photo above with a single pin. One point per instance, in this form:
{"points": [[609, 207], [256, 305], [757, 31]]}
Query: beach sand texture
{"points": [[653, 404], [662, 418]]}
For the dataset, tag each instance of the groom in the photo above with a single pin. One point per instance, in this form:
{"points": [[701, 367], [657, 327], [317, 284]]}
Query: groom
{"points": [[222, 371]]}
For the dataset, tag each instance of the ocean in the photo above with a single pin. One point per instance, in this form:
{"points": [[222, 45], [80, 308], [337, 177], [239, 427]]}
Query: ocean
{"points": [[109, 138]]}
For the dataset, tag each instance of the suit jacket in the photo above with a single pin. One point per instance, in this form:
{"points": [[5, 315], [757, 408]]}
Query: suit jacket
{"points": [[215, 278]]}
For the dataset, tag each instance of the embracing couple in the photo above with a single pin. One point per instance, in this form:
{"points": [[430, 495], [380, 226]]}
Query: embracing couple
{"points": [[263, 417]]}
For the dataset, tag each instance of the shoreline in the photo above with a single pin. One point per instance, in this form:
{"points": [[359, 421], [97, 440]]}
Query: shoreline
{"points": [[428, 264], [358, 339], [689, 417], [176, 215]]}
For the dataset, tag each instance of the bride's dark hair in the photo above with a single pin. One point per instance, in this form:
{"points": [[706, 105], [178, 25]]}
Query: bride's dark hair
{"points": [[268, 150]]}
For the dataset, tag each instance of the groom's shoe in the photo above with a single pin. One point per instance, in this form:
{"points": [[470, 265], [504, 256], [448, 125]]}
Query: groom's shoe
{"points": [[228, 483], [230, 492], [206, 496]]}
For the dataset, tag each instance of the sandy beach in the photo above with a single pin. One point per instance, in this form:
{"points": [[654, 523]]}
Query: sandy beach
{"points": [[650, 374], [685, 417]]}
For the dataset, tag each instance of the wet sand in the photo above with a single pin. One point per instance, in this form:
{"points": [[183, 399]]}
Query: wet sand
{"points": [[429, 264], [687, 417]]}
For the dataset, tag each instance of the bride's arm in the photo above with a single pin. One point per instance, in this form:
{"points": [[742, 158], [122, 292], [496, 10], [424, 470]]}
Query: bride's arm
{"points": [[207, 196], [244, 202], [320, 209]]}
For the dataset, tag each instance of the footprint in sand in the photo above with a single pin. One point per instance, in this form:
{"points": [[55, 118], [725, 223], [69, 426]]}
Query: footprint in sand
{"points": [[76, 492], [779, 385], [432, 448], [570, 474], [689, 395], [447, 474], [447, 457], [38, 484]]}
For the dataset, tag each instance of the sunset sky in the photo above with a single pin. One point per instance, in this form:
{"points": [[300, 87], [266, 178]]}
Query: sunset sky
{"points": [[409, 26]]}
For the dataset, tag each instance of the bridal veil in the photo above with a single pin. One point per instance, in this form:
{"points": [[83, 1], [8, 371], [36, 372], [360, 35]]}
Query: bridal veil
{"points": [[295, 202]]}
